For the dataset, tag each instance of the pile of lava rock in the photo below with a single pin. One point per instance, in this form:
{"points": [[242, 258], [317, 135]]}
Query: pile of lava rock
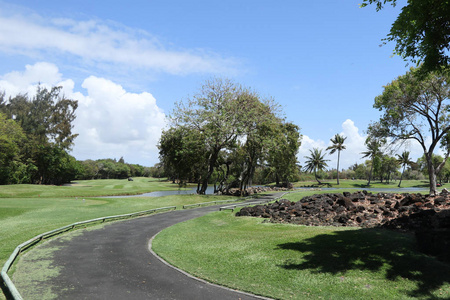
{"points": [[253, 190], [426, 215]]}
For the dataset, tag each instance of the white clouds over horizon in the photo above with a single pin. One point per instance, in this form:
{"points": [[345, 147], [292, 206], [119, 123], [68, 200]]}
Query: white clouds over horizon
{"points": [[100, 43], [351, 155], [111, 122], [354, 147]]}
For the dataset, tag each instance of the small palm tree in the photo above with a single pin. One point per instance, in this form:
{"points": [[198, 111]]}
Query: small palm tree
{"points": [[404, 160], [338, 145], [315, 162], [373, 150]]}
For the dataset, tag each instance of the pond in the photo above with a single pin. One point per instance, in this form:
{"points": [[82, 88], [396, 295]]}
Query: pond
{"points": [[209, 191]]}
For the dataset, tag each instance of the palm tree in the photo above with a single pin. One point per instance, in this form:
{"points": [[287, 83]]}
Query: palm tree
{"points": [[338, 145], [404, 160], [315, 162], [373, 150]]}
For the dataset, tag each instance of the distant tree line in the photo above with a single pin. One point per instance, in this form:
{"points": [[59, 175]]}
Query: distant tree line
{"points": [[114, 169], [35, 137]]}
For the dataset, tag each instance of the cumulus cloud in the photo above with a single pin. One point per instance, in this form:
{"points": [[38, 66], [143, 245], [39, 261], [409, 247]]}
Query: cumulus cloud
{"points": [[351, 155], [99, 42], [354, 147], [111, 122]]}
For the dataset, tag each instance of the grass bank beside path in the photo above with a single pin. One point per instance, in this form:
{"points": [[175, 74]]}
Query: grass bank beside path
{"points": [[88, 188], [298, 262], [24, 214], [362, 184]]}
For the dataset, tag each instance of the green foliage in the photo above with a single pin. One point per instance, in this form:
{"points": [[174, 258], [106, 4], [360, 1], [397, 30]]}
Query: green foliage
{"points": [[283, 153], [421, 32], [404, 160], [46, 122], [338, 145], [11, 139], [315, 162], [414, 106], [224, 132], [110, 169], [45, 118], [373, 151]]}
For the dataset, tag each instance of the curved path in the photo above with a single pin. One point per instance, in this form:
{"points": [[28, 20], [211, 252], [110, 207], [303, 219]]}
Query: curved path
{"points": [[115, 263]]}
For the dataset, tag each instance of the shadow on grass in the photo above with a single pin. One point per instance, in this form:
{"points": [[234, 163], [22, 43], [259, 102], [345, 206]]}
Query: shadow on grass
{"points": [[371, 250]]}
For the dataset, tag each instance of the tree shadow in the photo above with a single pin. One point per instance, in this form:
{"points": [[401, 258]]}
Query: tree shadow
{"points": [[371, 250]]}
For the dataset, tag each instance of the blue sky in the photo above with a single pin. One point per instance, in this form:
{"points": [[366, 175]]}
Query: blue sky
{"points": [[128, 62]]}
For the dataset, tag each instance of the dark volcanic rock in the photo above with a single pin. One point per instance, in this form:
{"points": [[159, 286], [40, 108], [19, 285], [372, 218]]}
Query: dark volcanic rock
{"points": [[395, 211], [428, 216]]}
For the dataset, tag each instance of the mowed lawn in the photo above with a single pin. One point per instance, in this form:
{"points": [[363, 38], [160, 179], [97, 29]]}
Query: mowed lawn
{"points": [[29, 210], [280, 261], [298, 262]]}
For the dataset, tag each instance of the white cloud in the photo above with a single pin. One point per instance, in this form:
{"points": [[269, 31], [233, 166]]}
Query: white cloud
{"points": [[351, 155], [354, 147], [111, 122], [103, 43], [309, 144], [17, 82]]}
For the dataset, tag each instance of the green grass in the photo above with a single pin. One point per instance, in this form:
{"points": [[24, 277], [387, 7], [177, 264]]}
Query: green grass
{"points": [[361, 184], [87, 188], [29, 210], [298, 262]]}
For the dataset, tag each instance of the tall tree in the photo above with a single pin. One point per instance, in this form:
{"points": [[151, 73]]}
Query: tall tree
{"points": [[338, 145], [421, 32], [283, 152], [11, 140], [315, 162], [183, 154], [404, 160], [213, 112], [232, 131], [46, 120], [415, 107]]}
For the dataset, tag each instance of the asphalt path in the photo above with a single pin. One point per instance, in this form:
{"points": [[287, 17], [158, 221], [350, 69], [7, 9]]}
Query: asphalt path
{"points": [[115, 262]]}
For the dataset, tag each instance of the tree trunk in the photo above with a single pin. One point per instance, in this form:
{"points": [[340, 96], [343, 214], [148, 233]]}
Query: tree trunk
{"points": [[339, 154], [370, 174], [315, 175], [431, 174], [212, 163], [401, 176]]}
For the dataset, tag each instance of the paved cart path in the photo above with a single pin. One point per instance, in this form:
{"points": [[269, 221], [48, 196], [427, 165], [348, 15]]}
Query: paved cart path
{"points": [[115, 263]]}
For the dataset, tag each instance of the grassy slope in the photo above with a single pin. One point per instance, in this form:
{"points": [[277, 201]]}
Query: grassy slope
{"points": [[361, 184], [87, 188], [298, 262], [29, 210]]}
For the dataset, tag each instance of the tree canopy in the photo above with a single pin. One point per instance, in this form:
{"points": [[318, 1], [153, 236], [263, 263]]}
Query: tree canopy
{"points": [[223, 134], [38, 134], [315, 162], [415, 107], [421, 32]]}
